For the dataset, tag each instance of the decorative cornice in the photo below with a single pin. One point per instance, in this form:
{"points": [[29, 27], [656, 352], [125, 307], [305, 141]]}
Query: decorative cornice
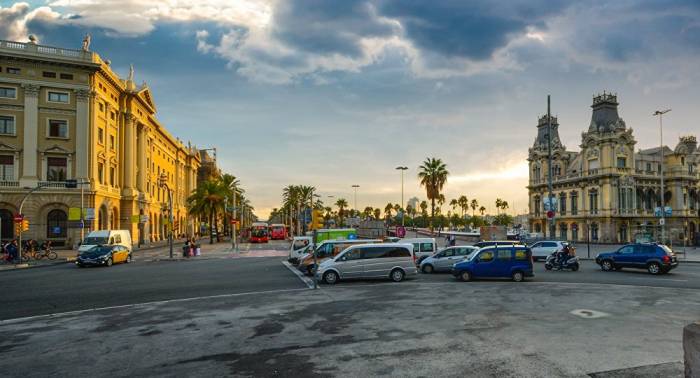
{"points": [[18, 108], [8, 147], [31, 90], [84, 94]]}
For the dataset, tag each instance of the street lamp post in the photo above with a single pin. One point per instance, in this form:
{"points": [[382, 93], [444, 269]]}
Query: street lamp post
{"points": [[660, 113], [355, 187], [163, 182], [402, 169]]}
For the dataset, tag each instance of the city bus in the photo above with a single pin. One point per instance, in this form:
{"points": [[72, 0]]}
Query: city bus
{"points": [[278, 231], [259, 232]]}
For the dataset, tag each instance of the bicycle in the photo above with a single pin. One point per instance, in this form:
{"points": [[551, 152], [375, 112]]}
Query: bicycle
{"points": [[48, 253]]}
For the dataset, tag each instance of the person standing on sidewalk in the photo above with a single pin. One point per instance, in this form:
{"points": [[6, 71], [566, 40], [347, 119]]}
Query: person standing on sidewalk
{"points": [[11, 249]]}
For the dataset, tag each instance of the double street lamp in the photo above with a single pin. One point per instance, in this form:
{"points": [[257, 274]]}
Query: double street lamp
{"points": [[355, 187], [662, 221], [163, 183]]}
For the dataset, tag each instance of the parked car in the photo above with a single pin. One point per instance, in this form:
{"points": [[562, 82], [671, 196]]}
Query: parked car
{"points": [[106, 237], [655, 258], [104, 255], [422, 247], [386, 260], [444, 259], [513, 262], [327, 249], [542, 249]]}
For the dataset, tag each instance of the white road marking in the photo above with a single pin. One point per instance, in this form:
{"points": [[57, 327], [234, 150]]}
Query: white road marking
{"points": [[143, 304], [589, 314], [309, 282]]}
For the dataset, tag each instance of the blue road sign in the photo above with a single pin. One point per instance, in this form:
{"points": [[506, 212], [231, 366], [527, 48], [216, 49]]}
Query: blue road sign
{"points": [[668, 211]]}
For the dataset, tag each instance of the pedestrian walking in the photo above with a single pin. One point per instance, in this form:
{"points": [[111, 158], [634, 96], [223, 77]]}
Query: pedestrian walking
{"points": [[186, 249], [12, 250]]}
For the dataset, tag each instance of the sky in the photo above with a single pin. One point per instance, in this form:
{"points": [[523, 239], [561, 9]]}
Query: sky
{"points": [[339, 93]]}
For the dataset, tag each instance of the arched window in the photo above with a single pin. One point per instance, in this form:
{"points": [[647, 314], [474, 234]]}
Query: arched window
{"points": [[594, 231], [563, 228], [56, 224], [8, 231]]}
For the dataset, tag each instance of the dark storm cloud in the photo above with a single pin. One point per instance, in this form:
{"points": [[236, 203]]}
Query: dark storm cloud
{"points": [[321, 26], [467, 29]]}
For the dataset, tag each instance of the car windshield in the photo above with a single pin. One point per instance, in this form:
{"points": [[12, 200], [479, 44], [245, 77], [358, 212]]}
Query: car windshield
{"points": [[259, 233], [92, 240], [299, 244], [100, 250]]}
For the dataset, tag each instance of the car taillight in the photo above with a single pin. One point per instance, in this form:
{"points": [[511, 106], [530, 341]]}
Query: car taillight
{"points": [[667, 258]]}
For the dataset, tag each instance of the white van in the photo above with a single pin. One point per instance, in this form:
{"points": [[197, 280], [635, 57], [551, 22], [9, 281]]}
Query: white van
{"points": [[300, 246], [106, 237], [422, 247]]}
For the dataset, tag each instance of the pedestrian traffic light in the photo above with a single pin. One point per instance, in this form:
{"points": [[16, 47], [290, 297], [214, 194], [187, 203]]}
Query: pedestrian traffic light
{"points": [[25, 225], [317, 219]]}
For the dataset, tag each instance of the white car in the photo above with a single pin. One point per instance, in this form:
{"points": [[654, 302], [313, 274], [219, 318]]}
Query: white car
{"points": [[542, 249]]}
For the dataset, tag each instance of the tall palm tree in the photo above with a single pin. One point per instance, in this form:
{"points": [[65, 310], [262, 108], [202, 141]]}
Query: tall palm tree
{"points": [[504, 205], [424, 211], [367, 213], [290, 200], [474, 205], [482, 210], [433, 176], [377, 213], [387, 210], [463, 204], [499, 202], [205, 202], [305, 201], [341, 203], [453, 204]]}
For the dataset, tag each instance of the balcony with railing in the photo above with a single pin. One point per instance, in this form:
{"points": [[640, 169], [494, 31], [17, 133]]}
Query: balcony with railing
{"points": [[9, 184], [36, 50]]}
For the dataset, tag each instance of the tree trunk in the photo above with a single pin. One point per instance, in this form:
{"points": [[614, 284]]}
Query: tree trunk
{"points": [[211, 226], [432, 214]]}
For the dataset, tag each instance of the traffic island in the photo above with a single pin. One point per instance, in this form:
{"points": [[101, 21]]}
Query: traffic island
{"points": [[691, 349]]}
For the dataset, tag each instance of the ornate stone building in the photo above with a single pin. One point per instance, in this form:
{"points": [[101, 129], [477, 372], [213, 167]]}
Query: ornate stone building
{"points": [[608, 191], [64, 114]]}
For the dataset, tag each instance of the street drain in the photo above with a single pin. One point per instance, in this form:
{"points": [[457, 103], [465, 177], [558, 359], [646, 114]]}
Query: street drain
{"points": [[588, 314]]}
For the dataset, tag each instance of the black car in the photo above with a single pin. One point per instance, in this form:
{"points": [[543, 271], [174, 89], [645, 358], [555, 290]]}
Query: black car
{"points": [[104, 255], [655, 258]]}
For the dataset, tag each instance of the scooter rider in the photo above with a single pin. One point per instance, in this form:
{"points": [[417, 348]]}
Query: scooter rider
{"points": [[563, 256]]}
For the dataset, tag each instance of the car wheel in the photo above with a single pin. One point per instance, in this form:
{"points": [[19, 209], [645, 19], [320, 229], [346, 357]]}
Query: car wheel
{"points": [[80, 265], [109, 262], [330, 277], [606, 265], [518, 276], [397, 275], [465, 276], [548, 266], [653, 268], [575, 267], [427, 268], [128, 258]]}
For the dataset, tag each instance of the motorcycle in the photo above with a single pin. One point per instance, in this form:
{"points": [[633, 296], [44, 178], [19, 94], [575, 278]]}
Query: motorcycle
{"points": [[553, 261]]}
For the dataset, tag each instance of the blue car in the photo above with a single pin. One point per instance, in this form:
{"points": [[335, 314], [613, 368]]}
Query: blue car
{"points": [[655, 258], [514, 262]]}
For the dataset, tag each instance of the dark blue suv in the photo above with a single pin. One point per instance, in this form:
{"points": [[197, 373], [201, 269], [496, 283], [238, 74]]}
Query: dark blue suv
{"points": [[655, 258], [514, 261]]}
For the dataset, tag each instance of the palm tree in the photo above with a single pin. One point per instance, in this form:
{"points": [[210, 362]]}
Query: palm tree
{"points": [[482, 210], [377, 213], [433, 176], [504, 205], [387, 210], [463, 204], [474, 205], [499, 202], [368, 212], [341, 203], [453, 204], [290, 199], [424, 211], [206, 201]]}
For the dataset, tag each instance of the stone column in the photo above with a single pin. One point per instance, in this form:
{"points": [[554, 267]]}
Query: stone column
{"points": [[82, 130], [31, 133], [141, 157], [129, 141]]}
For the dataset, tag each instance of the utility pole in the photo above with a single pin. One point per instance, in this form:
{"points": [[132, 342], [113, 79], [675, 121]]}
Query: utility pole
{"points": [[549, 166], [234, 242], [355, 187], [164, 184], [315, 234], [403, 215], [662, 222]]}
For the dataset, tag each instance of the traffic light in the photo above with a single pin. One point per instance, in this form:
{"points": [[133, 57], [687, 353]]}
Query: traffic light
{"points": [[25, 225], [316, 219], [18, 228]]}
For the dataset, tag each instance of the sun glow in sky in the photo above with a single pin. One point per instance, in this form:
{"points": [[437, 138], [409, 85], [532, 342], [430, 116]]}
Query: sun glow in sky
{"points": [[336, 93]]}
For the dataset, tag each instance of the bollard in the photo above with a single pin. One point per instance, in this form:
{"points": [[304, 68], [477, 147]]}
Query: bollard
{"points": [[691, 349]]}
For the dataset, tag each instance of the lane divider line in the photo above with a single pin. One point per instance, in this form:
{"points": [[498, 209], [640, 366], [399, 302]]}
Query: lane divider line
{"points": [[309, 282], [143, 304]]}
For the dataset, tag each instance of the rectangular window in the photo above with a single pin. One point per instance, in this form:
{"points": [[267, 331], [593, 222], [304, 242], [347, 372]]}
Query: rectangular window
{"points": [[12, 70], [100, 135], [574, 204], [58, 97], [8, 92], [111, 176], [58, 128], [7, 168], [621, 162], [648, 167], [503, 254], [49, 74], [102, 107], [100, 173], [7, 125], [111, 142], [56, 169], [520, 254], [113, 116], [65, 76]]}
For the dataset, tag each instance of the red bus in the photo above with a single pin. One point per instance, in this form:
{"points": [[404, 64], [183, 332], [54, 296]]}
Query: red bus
{"points": [[259, 232], [278, 232]]}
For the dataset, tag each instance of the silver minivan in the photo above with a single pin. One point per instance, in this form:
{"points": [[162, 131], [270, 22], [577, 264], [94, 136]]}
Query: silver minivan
{"points": [[443, 260], [388, 260]]}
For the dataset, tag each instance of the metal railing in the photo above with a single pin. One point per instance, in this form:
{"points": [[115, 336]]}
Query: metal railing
{"points": [[9, 184], [41, 50]]}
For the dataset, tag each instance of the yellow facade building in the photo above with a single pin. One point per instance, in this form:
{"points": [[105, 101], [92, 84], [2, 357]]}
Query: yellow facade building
{"points": [[64, 115]]}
